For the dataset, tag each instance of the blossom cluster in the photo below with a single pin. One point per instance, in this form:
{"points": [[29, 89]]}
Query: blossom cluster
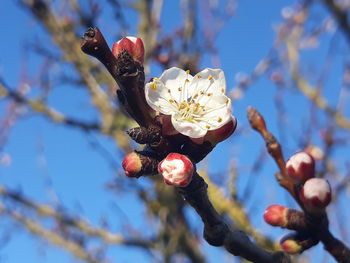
{"points": [[195, 107], [314, 195]]}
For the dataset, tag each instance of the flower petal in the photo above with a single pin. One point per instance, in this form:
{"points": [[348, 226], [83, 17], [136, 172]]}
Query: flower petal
{"points": [[218, 113], [190, 129], [208, 81], [177, 80], [159, 97], [215, 101]]}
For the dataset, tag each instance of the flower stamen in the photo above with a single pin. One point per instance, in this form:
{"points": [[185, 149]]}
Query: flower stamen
{"points": [[153, 86]]}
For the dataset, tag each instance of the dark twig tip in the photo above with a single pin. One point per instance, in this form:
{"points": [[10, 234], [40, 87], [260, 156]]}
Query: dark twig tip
{"points": [[90, 33]]}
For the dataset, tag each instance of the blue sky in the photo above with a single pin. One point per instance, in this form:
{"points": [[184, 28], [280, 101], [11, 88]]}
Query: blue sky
{"points": [[45, 154]]}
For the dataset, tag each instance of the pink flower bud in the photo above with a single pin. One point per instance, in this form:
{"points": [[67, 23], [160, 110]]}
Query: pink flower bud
{"points": [[277, 77], [221, 134], [316, 194], [276, 215], [132, 165], [315, 152], [133, 45], [300, 167], [176, 169]]}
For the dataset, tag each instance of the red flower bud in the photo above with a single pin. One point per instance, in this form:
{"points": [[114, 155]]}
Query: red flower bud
{"points": [[300, 167], [133, 45], [276, 215], [316, 194], [221, 134], [176, 169], [132, 164]]}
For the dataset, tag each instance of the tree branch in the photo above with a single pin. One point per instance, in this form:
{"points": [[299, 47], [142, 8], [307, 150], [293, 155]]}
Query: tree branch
{"points": [[216, 231], [313, 225], [52, 114]]}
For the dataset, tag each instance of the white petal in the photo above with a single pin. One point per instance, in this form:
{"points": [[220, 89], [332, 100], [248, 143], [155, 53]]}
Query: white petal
{"points": [[215, 101], [132, 39], [159, 98], [187, 128], [218, 113], [209, 81], [178, 81]]}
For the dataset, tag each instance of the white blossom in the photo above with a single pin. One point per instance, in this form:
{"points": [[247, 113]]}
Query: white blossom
{"points": [[196, 104]]}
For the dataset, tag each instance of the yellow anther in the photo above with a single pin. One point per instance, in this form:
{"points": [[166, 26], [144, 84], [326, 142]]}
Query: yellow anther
{"points": [[219, 119], [208, 127], [201, 92], [210, 77], [199, 76], [155, 79], [195, 96], [227, 101], [223, 90], [153, 86], [179, 89], [171, 101], [187, 80], [209, 94], [190, 111], [188, 71], [169, 91]]}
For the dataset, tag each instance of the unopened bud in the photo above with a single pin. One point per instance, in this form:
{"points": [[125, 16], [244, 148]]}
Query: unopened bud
{"points": [[277, 77], [297, 242], [316, 194], [276, 215], [256, 120], [222, 133], [291, 246], [300, 167], [132, 164], [315, 152], [133, 45], [144, 135], [176, 169]]}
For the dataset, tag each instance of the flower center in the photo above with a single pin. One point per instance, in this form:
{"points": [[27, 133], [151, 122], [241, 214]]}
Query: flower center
{"points": [[190, 111]]}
